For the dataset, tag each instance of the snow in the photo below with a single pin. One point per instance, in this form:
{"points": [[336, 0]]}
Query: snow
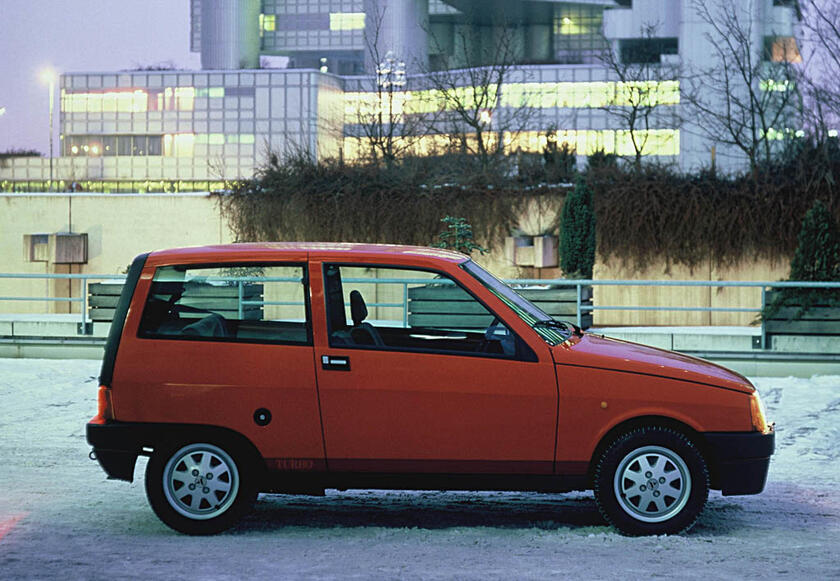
{"points": [[60, 517]]}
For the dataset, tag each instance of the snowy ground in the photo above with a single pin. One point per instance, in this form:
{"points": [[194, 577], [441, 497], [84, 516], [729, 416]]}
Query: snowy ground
{"points": [[59, 517]]}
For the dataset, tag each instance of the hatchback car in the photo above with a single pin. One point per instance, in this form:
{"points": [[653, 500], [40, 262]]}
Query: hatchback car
{"points": [[298, 367]]}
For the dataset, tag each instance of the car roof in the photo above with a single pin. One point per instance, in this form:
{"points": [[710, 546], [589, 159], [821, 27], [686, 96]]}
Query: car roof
{"points": [[334, 251]]}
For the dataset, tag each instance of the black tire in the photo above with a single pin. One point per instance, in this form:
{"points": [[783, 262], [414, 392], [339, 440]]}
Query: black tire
{"points": [[201, 486], [651, 481]]}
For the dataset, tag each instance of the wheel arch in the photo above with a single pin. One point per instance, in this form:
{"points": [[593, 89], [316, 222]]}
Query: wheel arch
{"points": [[631, 424], [167, 436]]}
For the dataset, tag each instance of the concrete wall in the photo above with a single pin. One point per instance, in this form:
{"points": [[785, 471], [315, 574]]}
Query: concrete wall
{"points": [[120, 226]]}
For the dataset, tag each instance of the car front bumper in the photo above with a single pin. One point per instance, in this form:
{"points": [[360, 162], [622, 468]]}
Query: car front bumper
{"points": [[739, 461]]}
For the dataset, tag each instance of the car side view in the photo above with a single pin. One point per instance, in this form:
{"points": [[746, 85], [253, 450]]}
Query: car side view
{"points": [[297, 367]]}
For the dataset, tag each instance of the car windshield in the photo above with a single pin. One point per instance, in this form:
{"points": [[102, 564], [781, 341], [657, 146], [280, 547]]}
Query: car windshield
{"points": [[554, 332]]}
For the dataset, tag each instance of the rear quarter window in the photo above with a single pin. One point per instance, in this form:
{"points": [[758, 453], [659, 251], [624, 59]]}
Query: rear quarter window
{"points": [[253, 303]]}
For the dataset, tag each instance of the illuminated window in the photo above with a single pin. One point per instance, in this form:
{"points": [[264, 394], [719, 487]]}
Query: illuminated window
{"points": [[571, 95], [777, 86], [184, 98], [781, 49], [129, 101], [347, 21], [118, 101], [212, 92], [179, 145], [663, 142], [112, 145], [268, 22]]}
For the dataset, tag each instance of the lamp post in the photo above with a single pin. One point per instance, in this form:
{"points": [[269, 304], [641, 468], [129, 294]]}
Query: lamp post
{"points": [[48, 77], [391, 72]]}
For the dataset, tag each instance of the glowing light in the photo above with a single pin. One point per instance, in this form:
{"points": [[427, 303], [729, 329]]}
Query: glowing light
{"points": [[269, 22], [485, 117], [48, 76], [661, 142], [179, 145], [347, 21]]}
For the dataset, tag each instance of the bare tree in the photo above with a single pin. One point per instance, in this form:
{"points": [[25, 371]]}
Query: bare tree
{"points": [[744, 99], [641, 97], [820, 80], [472, 108], [388, 120]]}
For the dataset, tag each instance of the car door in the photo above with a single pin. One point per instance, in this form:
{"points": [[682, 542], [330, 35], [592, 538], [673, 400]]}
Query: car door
{"points": [[406, 385], [226, 345]]}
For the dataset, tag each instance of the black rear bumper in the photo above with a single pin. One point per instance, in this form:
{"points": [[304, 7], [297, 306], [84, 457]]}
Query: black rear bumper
{"points": [[116, 446], [739, 461]]}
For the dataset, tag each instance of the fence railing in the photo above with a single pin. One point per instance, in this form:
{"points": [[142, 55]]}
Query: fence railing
{"points": [[579, 284]]}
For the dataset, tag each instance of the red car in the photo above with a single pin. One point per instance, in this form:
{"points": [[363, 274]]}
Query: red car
{"points": [[298, 367]]}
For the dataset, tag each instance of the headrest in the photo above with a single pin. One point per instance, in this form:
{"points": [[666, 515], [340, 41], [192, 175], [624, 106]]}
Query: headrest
{"points": [[358, 309]]}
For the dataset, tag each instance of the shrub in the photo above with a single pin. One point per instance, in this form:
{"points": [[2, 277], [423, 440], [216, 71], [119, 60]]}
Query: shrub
{"points": [[817, 256], [577, 233], [817, 259], [458, 236]]}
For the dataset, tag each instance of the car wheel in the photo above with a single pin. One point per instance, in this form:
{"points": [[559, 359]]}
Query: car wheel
{"points": [[200, 488], [651, 481]]}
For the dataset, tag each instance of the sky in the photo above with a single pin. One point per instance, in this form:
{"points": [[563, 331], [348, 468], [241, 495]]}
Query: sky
{"points": [[77, 36]]}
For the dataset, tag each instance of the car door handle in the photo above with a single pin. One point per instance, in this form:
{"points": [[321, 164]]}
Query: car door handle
{"points": [[333, 363]]}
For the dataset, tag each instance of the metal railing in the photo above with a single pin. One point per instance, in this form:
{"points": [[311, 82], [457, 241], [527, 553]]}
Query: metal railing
{"points": [[81, 299], [579, 284]]}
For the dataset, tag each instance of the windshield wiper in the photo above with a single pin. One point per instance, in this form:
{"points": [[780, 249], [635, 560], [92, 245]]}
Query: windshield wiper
{"points": [[571, 327]]}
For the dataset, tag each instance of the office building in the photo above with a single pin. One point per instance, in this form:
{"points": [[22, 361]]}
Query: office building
{"points": [[153, 129]]}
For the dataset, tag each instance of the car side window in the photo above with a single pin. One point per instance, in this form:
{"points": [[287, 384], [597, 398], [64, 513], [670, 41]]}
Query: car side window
{"points": [[238, 303], [409, 309]]}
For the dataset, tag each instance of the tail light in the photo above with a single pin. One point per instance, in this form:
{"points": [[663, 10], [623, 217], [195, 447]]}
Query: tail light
{"points": [[105, 406]]}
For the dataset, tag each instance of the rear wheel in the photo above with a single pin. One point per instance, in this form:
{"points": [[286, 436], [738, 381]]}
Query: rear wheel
{"points": [[651, 481], [200, 487]]}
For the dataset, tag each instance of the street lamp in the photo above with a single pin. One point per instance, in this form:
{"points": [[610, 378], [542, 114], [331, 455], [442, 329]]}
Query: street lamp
{"points": [[391, 72], [48, 77]]}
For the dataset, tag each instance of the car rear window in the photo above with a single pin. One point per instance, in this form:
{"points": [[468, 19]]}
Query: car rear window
{"points": [[252, 303]]}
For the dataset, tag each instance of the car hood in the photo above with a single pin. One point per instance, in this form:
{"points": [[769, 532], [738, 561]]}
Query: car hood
{"points": [[597, 351]]}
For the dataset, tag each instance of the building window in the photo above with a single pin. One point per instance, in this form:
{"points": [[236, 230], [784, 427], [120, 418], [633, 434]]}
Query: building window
{"points": [[179, 145], [347, 21], [221, 138], [647, 50], [268, 22], [211, 92], [781, 49], [126, 101], [578, 36], [129, 101], [112, 145]]}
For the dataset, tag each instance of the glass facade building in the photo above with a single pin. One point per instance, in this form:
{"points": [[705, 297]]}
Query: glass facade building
{"points": [[219, 123]]}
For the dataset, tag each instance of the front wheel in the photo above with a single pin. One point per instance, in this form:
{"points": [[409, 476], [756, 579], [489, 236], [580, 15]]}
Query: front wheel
{"points": [[200, 488], [651, 481]]}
